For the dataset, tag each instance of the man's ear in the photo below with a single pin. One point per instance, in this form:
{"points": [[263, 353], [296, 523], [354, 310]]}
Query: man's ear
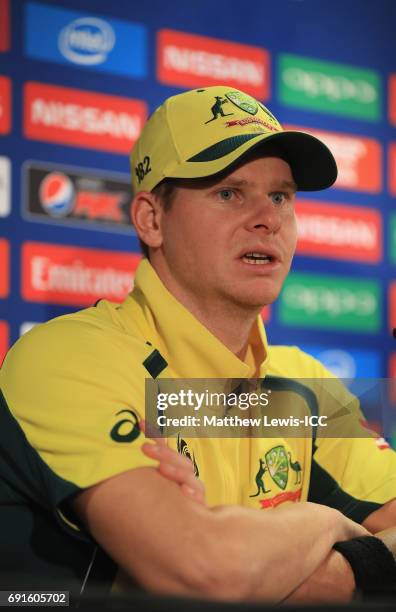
{"points": [[146, 211]]}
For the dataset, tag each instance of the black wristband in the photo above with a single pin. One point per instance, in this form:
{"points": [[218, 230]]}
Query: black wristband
{"points": [[372, 564]]}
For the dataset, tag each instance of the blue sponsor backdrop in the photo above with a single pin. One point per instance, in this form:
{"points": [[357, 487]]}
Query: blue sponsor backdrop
{"points": [[85, 40], [100, 46], [347, 362]]}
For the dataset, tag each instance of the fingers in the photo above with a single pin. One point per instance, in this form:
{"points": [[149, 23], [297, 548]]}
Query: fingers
{"points": [[190, 485], [144, 429], [196, 492], [166, 455], [176, 468]]}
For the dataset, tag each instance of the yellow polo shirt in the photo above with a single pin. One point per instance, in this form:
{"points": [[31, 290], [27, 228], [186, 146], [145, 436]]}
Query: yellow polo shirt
{"points": [[74, 391]]}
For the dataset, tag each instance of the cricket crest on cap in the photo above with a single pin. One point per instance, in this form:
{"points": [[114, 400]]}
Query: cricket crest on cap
{"points": [[243, 101]]}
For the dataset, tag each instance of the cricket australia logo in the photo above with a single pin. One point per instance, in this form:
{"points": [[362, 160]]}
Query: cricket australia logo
{"points": [[277, 463], [243, 101]]}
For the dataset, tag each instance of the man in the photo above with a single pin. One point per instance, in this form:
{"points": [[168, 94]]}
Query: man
{"points": [[214, 209]]}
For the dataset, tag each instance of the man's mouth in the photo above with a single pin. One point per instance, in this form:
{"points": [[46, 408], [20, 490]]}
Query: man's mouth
{"points": [[257, 259]]}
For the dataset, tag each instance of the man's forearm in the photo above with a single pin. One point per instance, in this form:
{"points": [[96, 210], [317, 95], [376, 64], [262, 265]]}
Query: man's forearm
{"points": [[332, 582], [310, 530], [334, 579], [149, 528]]}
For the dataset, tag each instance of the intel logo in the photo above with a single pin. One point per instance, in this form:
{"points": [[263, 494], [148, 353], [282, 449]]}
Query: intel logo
{"points": [[86, 41]]}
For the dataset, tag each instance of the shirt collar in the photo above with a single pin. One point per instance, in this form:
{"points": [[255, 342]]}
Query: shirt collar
{"points": [[190, 349]]}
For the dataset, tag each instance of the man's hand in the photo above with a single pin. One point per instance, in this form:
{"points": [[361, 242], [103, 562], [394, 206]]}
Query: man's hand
{"points": [[388, 536], [332, 582], [382, 518], [175, 467]]}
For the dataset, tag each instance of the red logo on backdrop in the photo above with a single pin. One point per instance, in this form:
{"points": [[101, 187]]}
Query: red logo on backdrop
{"points": [[4, 25], [5, 105], [392, 375], [376, 428], [4, 268], [266, 313], [392, 168], [4, 340], [392, 99], [359, 160], [192, 61], [73, 275], [392, 366], [351, 233], [82, 118], [392, 305]]}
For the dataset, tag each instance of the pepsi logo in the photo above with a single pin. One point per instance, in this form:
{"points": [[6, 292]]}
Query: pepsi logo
{"points": [[86, 41], [56, 194]]}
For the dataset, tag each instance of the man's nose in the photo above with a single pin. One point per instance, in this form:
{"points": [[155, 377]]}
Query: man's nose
{"points": [[265, 216]]}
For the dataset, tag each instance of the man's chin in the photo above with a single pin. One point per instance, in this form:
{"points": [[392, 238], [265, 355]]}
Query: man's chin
{"points": [[256, 302], [260, 293]]}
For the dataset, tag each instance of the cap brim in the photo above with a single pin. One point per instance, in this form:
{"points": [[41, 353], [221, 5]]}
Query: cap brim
{"points": [[312, 163]]}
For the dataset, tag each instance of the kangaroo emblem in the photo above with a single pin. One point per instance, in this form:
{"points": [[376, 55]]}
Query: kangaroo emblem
{"points": [[259, 479], [217, 110]]}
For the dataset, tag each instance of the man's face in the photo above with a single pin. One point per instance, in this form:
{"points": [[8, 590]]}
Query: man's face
{"points": [[230, 241]]}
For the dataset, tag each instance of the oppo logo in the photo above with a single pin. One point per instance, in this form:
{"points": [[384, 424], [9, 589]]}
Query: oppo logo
{"points": [[333, 302], [335, 88], [87, 41]]}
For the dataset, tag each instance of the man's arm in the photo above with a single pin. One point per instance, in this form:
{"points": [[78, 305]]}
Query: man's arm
{"points": [[171, 544], [381, 519], [334, 580]]}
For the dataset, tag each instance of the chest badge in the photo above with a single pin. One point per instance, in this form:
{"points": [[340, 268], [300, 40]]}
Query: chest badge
{"points": [[278, 465]]}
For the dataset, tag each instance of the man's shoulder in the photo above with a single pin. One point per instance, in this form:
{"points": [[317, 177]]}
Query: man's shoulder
{"points": [[292, 362], [97, 326], [91, 341]]}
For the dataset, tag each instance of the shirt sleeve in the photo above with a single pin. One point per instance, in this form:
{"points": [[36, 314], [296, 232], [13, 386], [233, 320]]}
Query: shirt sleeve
{"points": [[353, 468], [76, 390]]}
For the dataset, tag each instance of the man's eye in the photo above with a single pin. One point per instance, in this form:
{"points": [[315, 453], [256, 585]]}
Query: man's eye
{"points": [[226, 194], [278, 197]]}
